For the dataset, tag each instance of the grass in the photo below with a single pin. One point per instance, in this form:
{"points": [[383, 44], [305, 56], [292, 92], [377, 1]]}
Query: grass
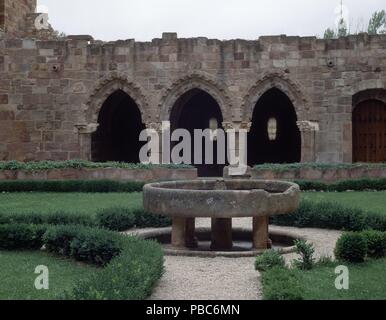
{"points": [[367, 282], [17, 275], [368, 201], [82, 203]]}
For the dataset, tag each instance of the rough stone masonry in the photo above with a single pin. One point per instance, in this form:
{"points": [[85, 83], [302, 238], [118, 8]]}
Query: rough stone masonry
{"points": [[52, 89]]}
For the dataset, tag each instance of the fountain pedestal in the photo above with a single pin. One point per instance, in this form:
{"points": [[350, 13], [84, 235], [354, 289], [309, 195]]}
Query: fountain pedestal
{"points": [[221, 200]]}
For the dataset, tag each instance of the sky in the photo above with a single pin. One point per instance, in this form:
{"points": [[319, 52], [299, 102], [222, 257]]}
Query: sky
{"points": [[144, 20]]}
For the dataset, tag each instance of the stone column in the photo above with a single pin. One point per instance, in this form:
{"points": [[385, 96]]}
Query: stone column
{"points": [[157, 130], [237, 149], [261, 233], [85, 132], [179, 232], [191, 240], [308, 130], [222, 234]]}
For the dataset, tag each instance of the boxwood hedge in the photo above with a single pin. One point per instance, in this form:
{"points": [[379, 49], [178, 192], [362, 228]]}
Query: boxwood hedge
{"points": [[131, 266]]}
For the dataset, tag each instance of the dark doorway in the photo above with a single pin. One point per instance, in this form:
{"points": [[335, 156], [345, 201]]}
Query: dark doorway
{"points": [[274, 136], [120, 124], [195, 110], [369, 131]]}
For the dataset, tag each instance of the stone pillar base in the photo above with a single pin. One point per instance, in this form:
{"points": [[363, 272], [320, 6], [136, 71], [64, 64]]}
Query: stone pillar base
{"points": [[261, 239], [179, 232], [222, 239], [191, 240]]}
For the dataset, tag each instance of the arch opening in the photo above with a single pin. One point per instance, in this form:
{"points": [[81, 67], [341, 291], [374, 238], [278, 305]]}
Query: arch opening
{"points": [[369, 131], [274, 136], [120, 124], [197, 109]]}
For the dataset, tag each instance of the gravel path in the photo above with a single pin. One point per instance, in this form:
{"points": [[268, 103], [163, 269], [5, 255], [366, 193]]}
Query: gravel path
{"points": [[190, 278]]}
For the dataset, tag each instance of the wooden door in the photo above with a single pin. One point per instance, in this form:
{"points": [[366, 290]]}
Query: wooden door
{"points": [[369, 132]]}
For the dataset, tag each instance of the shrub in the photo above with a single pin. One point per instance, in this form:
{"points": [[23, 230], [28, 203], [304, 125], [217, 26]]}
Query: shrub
{"points": [[130, 276], [90, 245], [268, 260], [326, 215], [21, 236], [132, 265], [144, 219], [306, 251], [281, 284], [376, 243], [78, 164], [85, 186], [351, 247], [117, 219]]}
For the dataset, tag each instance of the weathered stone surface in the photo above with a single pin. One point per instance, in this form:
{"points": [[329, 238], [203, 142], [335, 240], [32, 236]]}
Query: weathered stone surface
{"points": [[221, 198], [49, 85]]}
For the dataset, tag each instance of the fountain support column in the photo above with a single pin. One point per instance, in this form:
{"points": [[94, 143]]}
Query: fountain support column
{"points": [[179, 232], [190, 237], [261, 233], [222, 234]]}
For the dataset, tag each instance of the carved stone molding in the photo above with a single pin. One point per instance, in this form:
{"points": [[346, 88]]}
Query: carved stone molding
{"points": [[87, 128], [305, 126], [237, 126]]}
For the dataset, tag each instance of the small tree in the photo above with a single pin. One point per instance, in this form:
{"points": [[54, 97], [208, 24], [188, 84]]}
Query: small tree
{"points": [[329, 34], [377, 23]]}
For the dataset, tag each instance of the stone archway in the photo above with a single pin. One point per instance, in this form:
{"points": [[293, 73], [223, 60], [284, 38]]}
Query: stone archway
{"points": [[197, 109], [120, 125], [196, 80], [274, 136], [105, 89], [300, 105]]}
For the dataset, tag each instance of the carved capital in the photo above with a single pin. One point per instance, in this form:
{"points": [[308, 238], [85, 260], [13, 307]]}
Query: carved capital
{"points": [[85, 128], [308, 126], [237, 126]]}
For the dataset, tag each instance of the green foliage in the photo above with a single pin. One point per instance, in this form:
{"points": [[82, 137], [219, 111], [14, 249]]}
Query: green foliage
{"points": [[21, 236], [145, 219], [117, 218], [269, 259], [329, 34], [318, 166], [130, 276], [377, 23], [85, 186], [327, 215], [79, 164], [351, 247], [131, 265], [376, 243], [281, 284], [306, 252]]}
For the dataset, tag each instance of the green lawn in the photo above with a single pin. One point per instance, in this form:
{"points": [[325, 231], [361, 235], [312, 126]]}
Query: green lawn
{"points": [[367, 282], [84, 203], [369, 201], [17, 275]]}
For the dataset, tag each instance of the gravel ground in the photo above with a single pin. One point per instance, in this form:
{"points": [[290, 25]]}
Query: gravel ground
{"points": [[190, 278]]}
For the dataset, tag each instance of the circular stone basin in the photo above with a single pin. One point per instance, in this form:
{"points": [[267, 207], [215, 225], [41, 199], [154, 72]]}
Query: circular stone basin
{"points": [[282, 242], [220, 200]]}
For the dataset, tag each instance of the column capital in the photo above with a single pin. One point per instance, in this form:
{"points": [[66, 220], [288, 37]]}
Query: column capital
{"points": [[86, 128], [307, 126], [237, 126]]}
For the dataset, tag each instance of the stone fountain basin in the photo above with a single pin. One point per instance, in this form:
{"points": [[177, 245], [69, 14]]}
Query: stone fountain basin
{"points": [[221, 198]]}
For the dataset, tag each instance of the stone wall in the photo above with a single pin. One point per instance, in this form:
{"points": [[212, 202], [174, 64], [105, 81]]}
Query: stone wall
{"points": [[142, 175], [15, 15], [52, 91]]}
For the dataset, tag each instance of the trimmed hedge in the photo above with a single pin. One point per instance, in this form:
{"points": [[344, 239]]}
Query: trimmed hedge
{"points": [[319, 166], [281, 284], [343, 185], [132, 266], [83, 186], [330, 215], [268, 260], [115, 219], [78, 164], [351, 247], [376, 243]]}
